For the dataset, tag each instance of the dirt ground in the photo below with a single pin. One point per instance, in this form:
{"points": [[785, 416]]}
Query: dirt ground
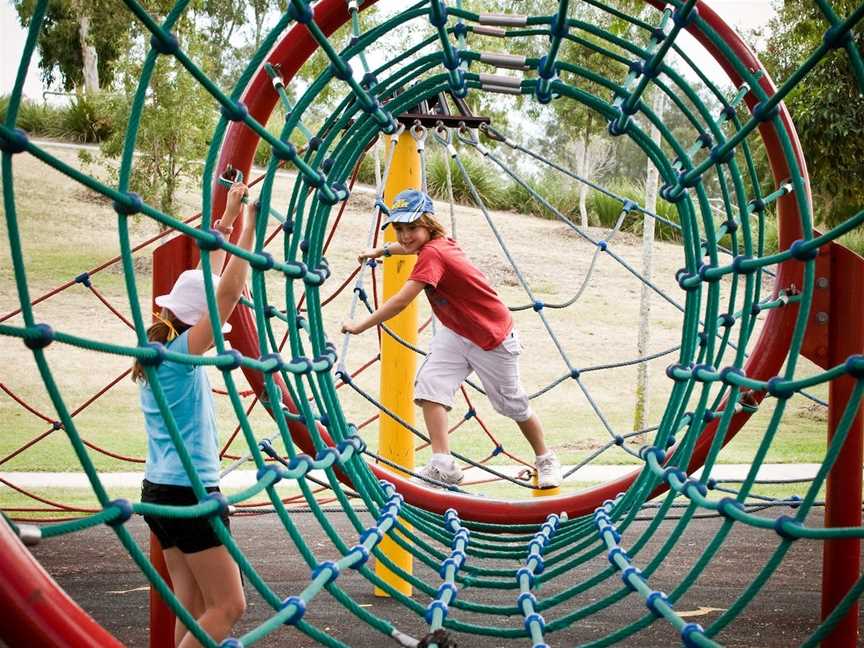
{"points": [[94, 569]]}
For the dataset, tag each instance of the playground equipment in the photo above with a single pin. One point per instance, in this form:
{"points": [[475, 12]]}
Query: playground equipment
{"points": [[812, 311]]}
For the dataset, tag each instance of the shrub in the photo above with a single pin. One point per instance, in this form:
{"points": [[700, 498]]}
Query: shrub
{"points": [[556, 190], [367, 169], [486, 180], [854, 240], [35, 118], [86, 119], [606, 209]]}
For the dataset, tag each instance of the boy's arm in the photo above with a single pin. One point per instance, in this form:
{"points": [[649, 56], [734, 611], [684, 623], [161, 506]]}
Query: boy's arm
{"points": [[387, 249], [388, 309]]}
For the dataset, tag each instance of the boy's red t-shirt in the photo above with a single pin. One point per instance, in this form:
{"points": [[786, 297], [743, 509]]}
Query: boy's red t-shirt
{"points": [[460, 294]]}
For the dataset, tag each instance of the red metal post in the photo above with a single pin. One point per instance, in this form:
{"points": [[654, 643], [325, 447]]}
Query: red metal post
{"points": [[841, 559], [162, 619], [169, 260]]}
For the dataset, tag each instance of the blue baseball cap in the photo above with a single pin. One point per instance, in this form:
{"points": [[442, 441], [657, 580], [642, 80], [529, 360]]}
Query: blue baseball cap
{"points": [[408, 206]]}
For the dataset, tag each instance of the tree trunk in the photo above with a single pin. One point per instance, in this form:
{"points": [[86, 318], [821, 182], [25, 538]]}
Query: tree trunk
{"points": [[583, 188], [640, 416], [89, 58]]}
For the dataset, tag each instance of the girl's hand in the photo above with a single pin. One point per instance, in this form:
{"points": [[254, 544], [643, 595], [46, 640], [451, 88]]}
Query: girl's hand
{"points": [[233, 204], [351, 327]]}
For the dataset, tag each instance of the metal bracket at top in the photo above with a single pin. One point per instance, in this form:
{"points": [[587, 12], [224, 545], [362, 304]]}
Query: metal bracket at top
{"points": [[436, 111]]}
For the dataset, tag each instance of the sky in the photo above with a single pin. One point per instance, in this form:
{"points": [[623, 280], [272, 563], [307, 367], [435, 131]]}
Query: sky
{"points": [[740, 14]]}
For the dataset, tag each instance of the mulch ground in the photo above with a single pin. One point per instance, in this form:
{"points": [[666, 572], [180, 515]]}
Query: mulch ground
{"points": [[94, 569]]}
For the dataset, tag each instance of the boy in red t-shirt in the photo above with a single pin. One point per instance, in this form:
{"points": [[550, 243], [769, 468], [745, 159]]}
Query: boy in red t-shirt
{"points": [[477, 335]]}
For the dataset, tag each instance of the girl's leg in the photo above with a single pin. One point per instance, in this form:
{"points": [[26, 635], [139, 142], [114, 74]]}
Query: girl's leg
{"points": [[435, 416], [185, 588], [218, 578], [533, 431]]}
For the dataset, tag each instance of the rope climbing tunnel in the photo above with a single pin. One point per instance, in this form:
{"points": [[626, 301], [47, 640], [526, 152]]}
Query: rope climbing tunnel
{"points": [[739, 343]]}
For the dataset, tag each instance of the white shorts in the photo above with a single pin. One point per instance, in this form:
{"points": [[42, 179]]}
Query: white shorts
{"points": [[452, 358]]}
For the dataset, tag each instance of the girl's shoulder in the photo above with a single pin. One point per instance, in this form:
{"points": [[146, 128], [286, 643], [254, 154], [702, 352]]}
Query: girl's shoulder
{"points": [[180, 344]]}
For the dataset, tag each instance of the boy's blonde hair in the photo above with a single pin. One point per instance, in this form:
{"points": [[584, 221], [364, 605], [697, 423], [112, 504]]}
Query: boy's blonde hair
{"points": [[436, 229]]}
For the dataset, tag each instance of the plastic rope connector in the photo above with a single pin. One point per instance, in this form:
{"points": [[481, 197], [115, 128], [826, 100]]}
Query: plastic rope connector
{"points": [[231, 642], [124, 508], [212, 241], [13, 141], [329, 565], [781, 525], [435, 605], [651, 602], [262, 261], [854, 366], [284, 151], [535, 619], [693, 484], [801, 253], [236, 360], [265, 470], [725, 505], [687, 633], [222, 509], [779, 387], [363, 553], [84, 279], [301, 14], [299, 609], [165, 42], [629, 574], [128, 204], [300, 460], [38, 336], [235, 112], [761, 114], [154, 359]]}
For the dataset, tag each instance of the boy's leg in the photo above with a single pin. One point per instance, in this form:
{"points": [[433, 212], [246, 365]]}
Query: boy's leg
{"points": [[533, 432], [435, 417], [498, 370]]}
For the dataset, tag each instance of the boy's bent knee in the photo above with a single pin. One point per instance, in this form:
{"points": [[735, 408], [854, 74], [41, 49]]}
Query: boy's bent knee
{"points": [[422, 401], [519, 414], [517, 408]]}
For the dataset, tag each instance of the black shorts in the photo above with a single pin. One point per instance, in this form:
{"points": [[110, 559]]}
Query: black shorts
{"points": [[189, 535]]}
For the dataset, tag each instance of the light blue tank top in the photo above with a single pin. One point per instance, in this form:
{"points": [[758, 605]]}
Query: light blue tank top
{"points": [[187, 391]]}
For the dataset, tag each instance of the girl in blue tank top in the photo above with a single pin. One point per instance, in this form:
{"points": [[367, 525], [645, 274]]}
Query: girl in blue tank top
{"points": [[205, 578]]}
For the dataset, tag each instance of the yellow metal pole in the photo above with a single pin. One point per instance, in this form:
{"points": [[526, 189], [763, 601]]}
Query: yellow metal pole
{"points": [[398, 364], [544, 492]]}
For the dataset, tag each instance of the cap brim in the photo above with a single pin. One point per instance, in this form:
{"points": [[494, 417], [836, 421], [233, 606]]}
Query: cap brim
{"points": [[403, 217]]}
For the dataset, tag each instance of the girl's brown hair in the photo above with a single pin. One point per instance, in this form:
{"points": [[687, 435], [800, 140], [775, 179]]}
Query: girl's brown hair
{"points": [[158, 332], [436, 229]]}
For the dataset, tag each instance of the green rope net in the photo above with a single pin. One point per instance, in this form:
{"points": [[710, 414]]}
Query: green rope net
{"points": [[706, 379]]}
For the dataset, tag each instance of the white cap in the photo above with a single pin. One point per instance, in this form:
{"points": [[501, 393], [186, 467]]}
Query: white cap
{"points": [[187, 299]]}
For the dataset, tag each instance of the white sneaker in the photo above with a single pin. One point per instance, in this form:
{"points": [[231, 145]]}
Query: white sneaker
{"points": [[440, 477], [548, 471]]}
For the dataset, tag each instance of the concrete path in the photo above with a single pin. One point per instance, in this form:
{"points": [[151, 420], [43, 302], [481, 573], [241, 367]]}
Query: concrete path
{"points": [[245, 478]]}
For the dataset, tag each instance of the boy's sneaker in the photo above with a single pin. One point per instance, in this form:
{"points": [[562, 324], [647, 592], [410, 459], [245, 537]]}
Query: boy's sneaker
{"points": [[548, 471], [446, 476]]}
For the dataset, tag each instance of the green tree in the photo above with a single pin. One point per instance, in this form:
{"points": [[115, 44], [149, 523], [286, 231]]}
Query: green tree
{"points": [[80, 41], [176, 122], [826, 106]]}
